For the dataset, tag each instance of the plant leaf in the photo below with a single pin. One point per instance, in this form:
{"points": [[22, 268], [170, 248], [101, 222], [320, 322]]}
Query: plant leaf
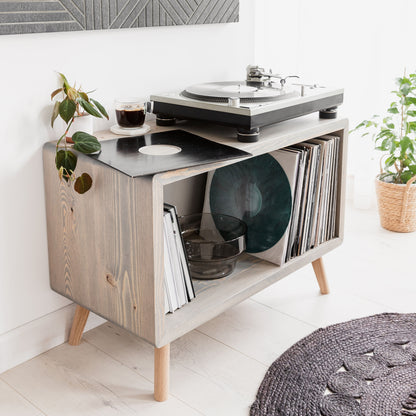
{"points": [[83, 95], [83, 183], [56, 92], [410, 100], [389, 161], [67, 110], [55, 112], [411, 125], [89, 108], [393, 110], [405, 88], [405, 143], [405, 176], [85, 143], [66, 162], [384, 144], [65, 81], [100, 108]]}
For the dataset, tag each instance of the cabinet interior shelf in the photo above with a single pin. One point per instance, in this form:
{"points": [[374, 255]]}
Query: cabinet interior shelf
{"points": [[250, 276]]}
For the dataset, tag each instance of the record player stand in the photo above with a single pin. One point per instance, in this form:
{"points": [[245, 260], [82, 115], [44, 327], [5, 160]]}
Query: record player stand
{"points": [[113, 265]]}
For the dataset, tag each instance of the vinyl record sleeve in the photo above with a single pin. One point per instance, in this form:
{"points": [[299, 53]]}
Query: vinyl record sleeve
{"points": [[296, 206], [124, 155], [262, 199]]}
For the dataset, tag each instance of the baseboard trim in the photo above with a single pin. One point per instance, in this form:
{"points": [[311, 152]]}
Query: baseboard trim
{"points": [[36, 337]]}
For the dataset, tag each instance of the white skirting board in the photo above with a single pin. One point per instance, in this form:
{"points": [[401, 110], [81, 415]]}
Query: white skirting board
{"points": [[36, 337]]}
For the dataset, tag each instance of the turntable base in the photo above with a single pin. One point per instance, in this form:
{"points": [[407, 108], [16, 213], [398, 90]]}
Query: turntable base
{"points": [[243, 106]]}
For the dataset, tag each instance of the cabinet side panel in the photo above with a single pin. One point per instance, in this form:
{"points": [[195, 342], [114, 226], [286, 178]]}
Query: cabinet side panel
{"points": [[55, 214], [342, 181], [149, 222], [94, 244]]}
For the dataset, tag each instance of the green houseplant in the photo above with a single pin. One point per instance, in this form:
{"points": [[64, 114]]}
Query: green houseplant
{"points": [[395, 136], [73, 104]]}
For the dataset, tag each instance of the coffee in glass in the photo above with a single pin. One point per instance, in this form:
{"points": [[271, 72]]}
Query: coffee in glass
{"points": [[130, 113]]}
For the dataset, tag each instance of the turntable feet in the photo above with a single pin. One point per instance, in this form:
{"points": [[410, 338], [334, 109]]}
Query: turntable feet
{"points": [[165, 120], [248, 135], [328, 113]]}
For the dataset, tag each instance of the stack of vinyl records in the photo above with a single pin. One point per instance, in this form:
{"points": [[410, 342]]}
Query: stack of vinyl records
{"points": [[314, 194], [287, 198], [177, 279]]}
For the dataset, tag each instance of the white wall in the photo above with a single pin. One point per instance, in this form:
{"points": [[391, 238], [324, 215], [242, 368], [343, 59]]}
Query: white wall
{"points": [[360, 45], [129, 62]]}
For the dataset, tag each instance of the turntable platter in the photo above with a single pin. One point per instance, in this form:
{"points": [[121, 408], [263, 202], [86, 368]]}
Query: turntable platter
{"points": [[222, 91]]}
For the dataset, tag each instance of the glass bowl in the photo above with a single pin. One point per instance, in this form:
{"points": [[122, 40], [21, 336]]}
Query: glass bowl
{"points": [[213, 243]]}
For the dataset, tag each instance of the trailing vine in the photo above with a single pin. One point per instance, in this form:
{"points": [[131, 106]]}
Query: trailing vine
{"points": [[72, 105]]}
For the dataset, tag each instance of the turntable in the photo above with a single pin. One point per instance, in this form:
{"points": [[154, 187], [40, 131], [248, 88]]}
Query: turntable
{"points": [[262, 99]]}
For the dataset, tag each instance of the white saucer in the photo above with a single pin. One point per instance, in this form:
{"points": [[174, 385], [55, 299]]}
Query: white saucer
{"points": [[130, 132]]}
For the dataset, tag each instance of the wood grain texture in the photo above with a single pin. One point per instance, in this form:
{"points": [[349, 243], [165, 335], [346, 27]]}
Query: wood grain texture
{"points": [[207, 375], [13, 403], [319, 269], [101, 243], [78, 325], [251, 276], [161, 378], [111, 262], [85, 381]]}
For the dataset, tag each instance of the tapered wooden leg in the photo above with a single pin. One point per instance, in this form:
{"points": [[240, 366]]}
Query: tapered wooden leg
{"points": [[161, 387], [78, 325], [318, 268]]}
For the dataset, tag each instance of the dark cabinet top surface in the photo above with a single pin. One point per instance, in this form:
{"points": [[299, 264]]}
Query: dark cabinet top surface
{"points": [[135, 156]]}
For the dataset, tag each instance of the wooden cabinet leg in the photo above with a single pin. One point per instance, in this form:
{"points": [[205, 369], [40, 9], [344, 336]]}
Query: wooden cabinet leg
{"points": [[78, 325], [162, 356], [318, 268]]}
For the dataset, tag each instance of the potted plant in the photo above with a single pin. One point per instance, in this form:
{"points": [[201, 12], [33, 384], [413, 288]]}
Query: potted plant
{"points": [[395, 135], [71, 106]]}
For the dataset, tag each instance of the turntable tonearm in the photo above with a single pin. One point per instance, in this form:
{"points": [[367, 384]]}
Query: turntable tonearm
{"points": [[247, 105]]}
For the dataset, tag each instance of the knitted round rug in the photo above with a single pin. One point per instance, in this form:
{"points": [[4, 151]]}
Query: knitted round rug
{"points": [[364, 367]]}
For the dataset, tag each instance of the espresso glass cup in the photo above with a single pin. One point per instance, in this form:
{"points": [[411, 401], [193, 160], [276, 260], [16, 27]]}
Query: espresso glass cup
{"points": [[130, 112]]}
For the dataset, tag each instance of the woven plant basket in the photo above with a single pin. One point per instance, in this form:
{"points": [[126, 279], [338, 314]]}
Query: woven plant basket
{"points": [[397, 205]]}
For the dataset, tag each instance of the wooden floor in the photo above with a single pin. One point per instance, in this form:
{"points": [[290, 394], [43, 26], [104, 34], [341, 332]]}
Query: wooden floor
{"points": [[216, 369]]}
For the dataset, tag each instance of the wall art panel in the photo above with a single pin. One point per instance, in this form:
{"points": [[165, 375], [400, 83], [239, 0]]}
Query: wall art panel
{"points": [[66, 15]]}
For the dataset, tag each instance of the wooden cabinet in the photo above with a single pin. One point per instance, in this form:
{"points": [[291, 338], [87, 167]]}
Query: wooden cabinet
{"points": [[106, 246]]}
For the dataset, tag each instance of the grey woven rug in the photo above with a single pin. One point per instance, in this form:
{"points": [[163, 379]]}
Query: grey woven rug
{"points": [[364, 367]]}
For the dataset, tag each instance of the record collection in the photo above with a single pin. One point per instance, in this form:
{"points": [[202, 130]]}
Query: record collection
{"points": [[178, 285], [287, 198], [314, 205]]}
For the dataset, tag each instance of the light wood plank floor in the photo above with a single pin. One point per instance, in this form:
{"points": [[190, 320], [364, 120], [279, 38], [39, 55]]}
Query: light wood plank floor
{"points": [[216, 369]]}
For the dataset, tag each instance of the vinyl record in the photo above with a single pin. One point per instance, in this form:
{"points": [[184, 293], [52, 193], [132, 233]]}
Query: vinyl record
{"points": [[258, 192], [221, 91]]}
